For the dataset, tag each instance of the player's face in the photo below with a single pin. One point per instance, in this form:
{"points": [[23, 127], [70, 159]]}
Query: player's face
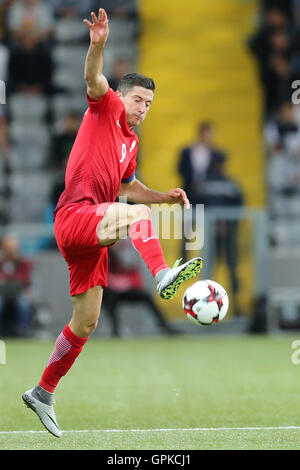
{"points": [[137, 103]]}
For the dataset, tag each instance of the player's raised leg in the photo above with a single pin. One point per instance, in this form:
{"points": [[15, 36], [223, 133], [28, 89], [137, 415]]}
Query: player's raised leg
{"points": [[69, 344], [121, 220]]}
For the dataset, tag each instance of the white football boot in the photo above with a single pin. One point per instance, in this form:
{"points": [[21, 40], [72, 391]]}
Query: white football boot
{"points": [[44, 412], [169, 284]]}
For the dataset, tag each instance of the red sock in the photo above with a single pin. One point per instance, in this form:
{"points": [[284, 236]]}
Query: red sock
{"points": [[68, 346], [146, 242]]}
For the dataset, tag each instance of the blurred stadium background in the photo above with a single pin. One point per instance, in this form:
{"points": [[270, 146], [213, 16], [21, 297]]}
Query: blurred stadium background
{"points": [[226, 66]]}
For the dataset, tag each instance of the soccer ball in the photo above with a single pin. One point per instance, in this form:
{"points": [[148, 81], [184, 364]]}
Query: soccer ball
{"points": [[205, 302]]}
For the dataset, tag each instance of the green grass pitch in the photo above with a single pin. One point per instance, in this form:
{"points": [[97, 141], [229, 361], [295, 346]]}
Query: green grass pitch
{"points": [[189, 392]]}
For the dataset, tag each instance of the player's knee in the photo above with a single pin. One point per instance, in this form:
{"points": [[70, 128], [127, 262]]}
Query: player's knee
{"points": [[89, 328], [140, 211], [145, 211]]}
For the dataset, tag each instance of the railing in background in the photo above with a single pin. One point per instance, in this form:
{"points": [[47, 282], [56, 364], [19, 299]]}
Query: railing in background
{"points": [[264, 278]]}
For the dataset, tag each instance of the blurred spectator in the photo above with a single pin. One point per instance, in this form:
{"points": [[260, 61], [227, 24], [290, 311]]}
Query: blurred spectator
{"points": [[283, 128], [273, 47], [63, 142], [220, 191], [278, 171], [126, 284], [4, 141], [273, 18], [30, 65], [277, 75], [29, 14], [280, 42], [4, 7], [16, 306], [284, 6], [277, 48], [291, 172], [72, 8], [296, 11], [195, 160], [120, 68]]}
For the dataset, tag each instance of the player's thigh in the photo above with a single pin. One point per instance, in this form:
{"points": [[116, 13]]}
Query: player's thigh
{"points": [[86, 311], [117, 220]]}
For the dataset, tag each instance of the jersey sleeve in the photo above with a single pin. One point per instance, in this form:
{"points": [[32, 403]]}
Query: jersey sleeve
{"points": [[129, 174], [108, 101]]}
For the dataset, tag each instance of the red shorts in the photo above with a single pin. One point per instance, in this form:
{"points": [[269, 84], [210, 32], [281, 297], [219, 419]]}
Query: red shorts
{"points": [[75, 229]]}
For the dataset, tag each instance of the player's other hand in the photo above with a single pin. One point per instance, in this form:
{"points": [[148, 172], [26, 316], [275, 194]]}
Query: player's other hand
{"points": [[177, 195], [98, 28]]}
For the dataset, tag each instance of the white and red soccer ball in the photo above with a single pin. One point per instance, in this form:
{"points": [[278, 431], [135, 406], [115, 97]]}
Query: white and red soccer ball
{"points": [[205, 302]]}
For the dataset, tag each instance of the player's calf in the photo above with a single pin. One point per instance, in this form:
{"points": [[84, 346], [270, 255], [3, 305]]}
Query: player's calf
{"points": [[86, 311]]}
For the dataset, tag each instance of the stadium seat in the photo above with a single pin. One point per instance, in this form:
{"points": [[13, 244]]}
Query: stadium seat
{"points": [[30, 195], [52, 275], [63, 103], [285, 233], [122, 32], [115, 52], [70, 29], [68, 57], [283, 308], [285, 206], [294, 206], [30, 145], [28, 158], [24, 107], [29, 132], [68, 80], [283, 271], [292, 143]]}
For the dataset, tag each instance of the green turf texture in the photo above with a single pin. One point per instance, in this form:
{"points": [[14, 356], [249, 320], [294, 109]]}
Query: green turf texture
{"points": [[159, 383]]}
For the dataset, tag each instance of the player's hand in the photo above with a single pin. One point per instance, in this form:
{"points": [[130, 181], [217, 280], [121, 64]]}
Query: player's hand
{"points": [[98, 28], [177, 195]]}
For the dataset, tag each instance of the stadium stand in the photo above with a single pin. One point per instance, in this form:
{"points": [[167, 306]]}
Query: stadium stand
{"points": [[276, 48], [45, 104], [227, 94], [37, 110]]}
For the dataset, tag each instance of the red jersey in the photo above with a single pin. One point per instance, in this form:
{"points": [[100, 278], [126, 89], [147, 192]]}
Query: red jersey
{"points": [[103, 155]]}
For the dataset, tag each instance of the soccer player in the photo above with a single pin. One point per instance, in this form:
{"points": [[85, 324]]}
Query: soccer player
{"points": [[100, 168]]}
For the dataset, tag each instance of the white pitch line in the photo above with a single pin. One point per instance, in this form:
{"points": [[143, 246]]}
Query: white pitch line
{"points": [[262, 428]]}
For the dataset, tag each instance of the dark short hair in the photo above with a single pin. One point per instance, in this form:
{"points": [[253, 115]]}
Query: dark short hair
{"points": [[135, 79], [205, 126]]}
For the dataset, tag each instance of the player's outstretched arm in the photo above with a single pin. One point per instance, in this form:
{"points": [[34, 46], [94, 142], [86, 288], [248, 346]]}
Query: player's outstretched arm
{"points": [[135, 191], [97, 84]]}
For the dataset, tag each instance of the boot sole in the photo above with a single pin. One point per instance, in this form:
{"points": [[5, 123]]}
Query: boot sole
{"points": [[191, 270]]}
